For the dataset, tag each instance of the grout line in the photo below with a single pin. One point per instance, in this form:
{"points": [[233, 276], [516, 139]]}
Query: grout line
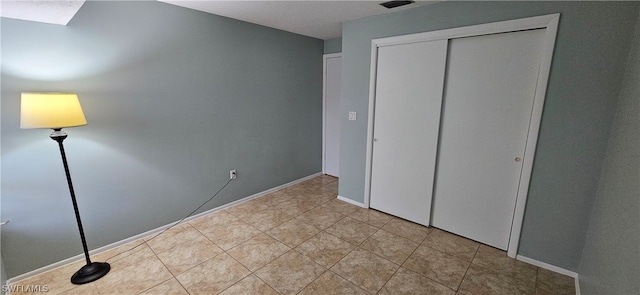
{"points": [[537, 275], [181, 285], [314, 280], [247, 268], [259, 278], [412, 252], [391, 277], [173, 276], [468, 267]]}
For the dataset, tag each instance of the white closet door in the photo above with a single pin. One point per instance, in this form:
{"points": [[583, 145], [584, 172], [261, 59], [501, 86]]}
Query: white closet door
{"points": [[333, 92], [489, 92], [409, 85]]}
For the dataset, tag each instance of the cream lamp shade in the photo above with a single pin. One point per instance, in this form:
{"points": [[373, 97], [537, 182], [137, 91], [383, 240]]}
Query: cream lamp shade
{"points": [[50, 110]]}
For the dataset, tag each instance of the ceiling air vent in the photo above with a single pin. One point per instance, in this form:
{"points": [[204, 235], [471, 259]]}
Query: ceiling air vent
{"points": [[394, 4]]}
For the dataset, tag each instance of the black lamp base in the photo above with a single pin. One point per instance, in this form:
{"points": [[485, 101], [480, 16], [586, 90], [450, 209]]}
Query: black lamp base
{"points": [[90, 273]]}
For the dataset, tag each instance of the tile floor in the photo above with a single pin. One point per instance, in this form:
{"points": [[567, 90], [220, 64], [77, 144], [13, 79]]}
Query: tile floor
{"points": [[303, 240]]}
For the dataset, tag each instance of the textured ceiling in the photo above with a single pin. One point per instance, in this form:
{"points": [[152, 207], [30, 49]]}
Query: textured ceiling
{"points": [[46, 11], [318, 19]]}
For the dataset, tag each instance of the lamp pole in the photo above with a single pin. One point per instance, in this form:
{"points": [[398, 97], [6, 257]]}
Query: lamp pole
{"points": [[92, 270]]}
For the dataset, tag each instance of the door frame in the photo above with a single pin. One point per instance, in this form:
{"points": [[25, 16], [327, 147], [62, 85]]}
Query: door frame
{"points": [[550, 24], [325, 57]]}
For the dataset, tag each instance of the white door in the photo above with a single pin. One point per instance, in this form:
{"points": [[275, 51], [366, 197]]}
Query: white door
{"points": [[406, 118], [489, 93], [332, 95]]}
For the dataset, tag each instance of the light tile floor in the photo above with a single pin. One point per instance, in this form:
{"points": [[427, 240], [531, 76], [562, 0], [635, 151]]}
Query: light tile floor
{"points": [[303, 240]]}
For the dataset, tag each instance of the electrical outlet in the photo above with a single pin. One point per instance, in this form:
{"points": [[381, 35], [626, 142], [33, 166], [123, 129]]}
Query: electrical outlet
{"points": [[233, 174]]}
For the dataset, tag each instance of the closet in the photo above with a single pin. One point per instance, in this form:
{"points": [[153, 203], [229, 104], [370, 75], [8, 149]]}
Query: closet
{"points": [[455, 122]]}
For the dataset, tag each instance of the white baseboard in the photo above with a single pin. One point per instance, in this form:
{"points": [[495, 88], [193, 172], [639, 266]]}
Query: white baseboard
{"points": [[553, 268], [80, 257], [352, 202]]}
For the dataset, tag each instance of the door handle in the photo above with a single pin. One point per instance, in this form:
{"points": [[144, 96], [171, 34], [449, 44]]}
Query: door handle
{"points": [[518, 159]]}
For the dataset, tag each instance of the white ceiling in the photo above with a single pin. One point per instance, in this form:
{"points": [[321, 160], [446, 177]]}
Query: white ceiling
{"points": [[318, 19], [46, 11]]}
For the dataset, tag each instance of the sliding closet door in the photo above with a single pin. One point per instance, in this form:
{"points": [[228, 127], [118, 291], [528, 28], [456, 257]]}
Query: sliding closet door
{"points": [[408, 97], [489, 91]]}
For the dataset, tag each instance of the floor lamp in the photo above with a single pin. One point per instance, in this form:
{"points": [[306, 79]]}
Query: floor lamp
{"points": [[57, 111]]}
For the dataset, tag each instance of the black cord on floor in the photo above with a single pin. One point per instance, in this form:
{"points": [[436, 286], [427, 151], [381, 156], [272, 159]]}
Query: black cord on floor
{"points": [[176, 223]]}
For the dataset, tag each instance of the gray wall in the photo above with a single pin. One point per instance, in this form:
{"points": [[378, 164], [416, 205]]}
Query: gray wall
{"points": [[3, 273], [586, 75], [611, 258], [174, 98], [333, 45]]}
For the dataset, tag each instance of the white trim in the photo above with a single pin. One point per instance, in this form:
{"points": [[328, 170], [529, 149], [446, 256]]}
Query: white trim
{"points": [[352, 202], [547, 22], [325, 57], [577, 284], [553, 268], [370, 123], [532, 137], [529, 23], [547, 266], [80, 257]]}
